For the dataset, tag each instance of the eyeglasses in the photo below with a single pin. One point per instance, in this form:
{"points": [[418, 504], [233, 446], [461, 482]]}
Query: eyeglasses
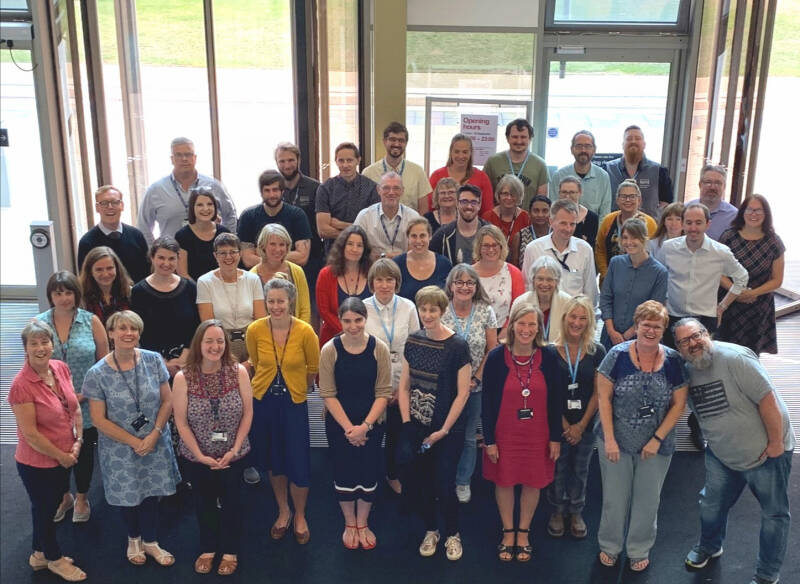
{"points": [[112, 203], [183, 155], [709, 183], [650, 327], [569, 193], [227, 254], [469, 203], [684, 342], [464, 283], [627, 197], [583, 146], [750, 211], [490, 246]]}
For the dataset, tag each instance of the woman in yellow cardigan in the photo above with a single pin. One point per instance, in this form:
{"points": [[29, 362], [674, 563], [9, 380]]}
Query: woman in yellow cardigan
{"points": [[284, 352]]}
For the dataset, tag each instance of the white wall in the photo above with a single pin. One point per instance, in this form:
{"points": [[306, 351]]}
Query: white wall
{"points": [[479, 13]]}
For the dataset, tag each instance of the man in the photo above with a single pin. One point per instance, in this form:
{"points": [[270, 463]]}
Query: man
{"points": [[575, 255], [595, 184], [712, 189], [273, 210], [454, 240], [340, 198], [415, 182], [126, 241], [652, 178], [166, 201], [519, 161], [386, 222], [750, 442]]}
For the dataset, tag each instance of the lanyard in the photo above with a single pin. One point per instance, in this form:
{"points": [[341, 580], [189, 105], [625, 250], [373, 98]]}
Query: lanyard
{"points": [[547, 325], [526, 384], [275, 346], [396, 228], [573, 371], [562, 261], [649, 374], [400, 172], [463, 333], [511, 164], [389, 336], [134, 394], [178, 191], [213, 400]]}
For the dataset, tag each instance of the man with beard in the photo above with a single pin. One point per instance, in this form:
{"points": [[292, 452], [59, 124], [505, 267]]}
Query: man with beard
{"points": [[750, 443], [652, 178], [415, 182], [712, 189], [454, 240], [274, 210], [595, 184], [386, 222]]}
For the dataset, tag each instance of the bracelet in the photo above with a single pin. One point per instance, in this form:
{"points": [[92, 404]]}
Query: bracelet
{"points": [[160, 429], [656, 437]]}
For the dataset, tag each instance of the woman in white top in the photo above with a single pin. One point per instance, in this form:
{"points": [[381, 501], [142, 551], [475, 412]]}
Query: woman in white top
{"points": [[390, 318], [231, 295], [546, 295]]}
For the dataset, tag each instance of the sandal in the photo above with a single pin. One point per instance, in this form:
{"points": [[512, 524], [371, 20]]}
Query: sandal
{"points": [[135, 552], [367, 532], [40, 562], [524, 552], [202, 565], [607, 559], [344, 535], [161, 556], [67, 570], [505, 553], [227, 566], [639, 565], [276, 532]]}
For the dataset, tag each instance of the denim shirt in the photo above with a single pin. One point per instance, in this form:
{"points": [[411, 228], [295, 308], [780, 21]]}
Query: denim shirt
{"points": [[625, 287]]}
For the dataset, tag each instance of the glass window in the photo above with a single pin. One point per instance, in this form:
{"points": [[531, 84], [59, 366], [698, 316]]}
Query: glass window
{"points": [[611, 14]]}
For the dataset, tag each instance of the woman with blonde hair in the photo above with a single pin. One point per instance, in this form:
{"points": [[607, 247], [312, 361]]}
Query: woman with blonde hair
{"points": [[445, 203], [459, 167]]}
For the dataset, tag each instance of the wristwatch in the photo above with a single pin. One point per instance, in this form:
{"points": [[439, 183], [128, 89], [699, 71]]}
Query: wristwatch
{"points": [[368, 425]]}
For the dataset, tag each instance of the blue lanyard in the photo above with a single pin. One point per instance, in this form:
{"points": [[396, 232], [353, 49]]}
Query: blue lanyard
{"points": [[400, 172], [511, 164], [178, 191], [389, 336], [385, 231], [547, 326], [462, 332], [572, 371]]}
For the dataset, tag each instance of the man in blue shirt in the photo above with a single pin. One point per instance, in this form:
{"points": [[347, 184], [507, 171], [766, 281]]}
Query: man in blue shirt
{"points": [[712, 191]]}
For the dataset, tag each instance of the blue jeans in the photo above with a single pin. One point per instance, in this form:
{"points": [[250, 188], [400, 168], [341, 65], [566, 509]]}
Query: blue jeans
{"points": [[472, 417], [567, 492], [769, 484]]}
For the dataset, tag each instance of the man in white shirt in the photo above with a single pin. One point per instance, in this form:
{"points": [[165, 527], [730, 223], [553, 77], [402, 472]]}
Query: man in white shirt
{"points": [[386, 222], [574, 255], [415, 181]]}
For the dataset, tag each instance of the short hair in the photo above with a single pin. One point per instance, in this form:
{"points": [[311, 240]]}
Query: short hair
{"points": [[227, 240], [432, 295], [268, 231], [120, 289], [395, 128], [336, 254], [587, 337], [479, 295], [194, 194], [540, 199], [708, 167], [635, 228], [696, 205], [385, 268], [571, 179], [128, 317], [353, 304], [287, 147], [64, 280], [567, 205], [671, 210], [583, 133], [347, 146], [269, 177], [632, 127], [389, 176], [278, 283], [628, 182], [180, 141], [470, 189], [104, 189], [36, 328], [494, 232], [514, 186], [517, 312], [164, 242], [195, 357], [519, 124], [545, 262], [766, 227], [686, 321], [445, 182], [651, 310], [461, 138], [419, 221]]}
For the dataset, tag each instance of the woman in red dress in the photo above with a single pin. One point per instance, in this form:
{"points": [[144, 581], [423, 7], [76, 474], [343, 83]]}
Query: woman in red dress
{"points": [[521, 426]]}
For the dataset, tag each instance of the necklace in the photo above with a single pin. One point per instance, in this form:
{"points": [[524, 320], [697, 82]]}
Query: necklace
{"points": [[641, 363], [523, 363], [347, 284]]}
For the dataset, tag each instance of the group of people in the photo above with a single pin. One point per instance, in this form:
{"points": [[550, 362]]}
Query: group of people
{"points": [[429, 313]]}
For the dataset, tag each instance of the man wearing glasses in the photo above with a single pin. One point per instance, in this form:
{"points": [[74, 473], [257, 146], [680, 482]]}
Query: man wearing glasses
{"points": [[595, 184], [750, 443], [712, 191], [454, 240], [126, 241], [386, 222], [166, 201]]}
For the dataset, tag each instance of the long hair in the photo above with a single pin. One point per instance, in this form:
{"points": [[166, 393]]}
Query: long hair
{"points": [[766, 227], [336, 255], [673, 209], [587, 337], [479, 295], [517, 312], [461, 138], [120, 289], [195, 358]]}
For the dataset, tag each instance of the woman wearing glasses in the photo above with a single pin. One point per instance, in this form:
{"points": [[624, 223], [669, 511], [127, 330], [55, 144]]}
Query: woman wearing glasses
{"points": [[507, 215], [444, 204], [546, 295], [231, 295]]}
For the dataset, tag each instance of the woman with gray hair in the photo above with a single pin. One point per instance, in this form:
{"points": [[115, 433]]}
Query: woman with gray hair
{"points": [[472, 317], [546, 295], [507, 215]]}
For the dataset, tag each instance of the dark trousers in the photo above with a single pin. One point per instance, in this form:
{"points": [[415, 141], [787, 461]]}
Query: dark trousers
{"points": [[45, 487], [142, 520], [431, 478], [707, 321], [85, 467], [394, 424], [220, 530]]}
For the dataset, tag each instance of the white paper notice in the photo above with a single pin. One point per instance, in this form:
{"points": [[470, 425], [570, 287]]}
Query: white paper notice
{"points": [[483, 131]]}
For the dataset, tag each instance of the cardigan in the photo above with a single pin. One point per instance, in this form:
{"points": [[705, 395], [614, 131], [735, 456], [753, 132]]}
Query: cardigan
{"points": [[601, 246], [302, 308], [560, 299]]}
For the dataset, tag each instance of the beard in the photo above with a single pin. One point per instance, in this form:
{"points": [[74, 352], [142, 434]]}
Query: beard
{"points": [[703, 360], [289, 177]]}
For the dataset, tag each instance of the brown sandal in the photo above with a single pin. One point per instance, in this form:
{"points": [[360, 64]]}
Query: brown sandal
{"points": [[227, 566], [68, 571], [277, 532], [202, 565]]}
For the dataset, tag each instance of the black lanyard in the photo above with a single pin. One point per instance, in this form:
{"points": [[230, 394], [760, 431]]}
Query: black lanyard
{"points": [[526, 384], [212, 400], [178, 191], [386, 232], [562, 261], [275, 346], [134, 394]]}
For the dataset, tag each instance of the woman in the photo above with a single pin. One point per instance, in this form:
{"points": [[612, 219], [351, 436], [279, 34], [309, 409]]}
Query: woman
{"points": [[445, 203], [539, 214], [344, 276], [507, 215], [420, 267], [105, 283], [213, 405], [390, 318], [49, 440], [459, 168], [521, 426], [546, 296], [577, 357], [80, 341], [196, 239], [588, 221], [609, 235], [285, 354], [670, 225], [471, 315], [355, 381], [641, 392], [273, 246], [750, 320], [631, 279], [231, 295], [130, 402], [502, 281], [167, 305], [434, 388]]}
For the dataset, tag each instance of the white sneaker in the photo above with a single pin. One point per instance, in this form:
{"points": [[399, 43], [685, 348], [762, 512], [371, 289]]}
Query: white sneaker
{"points": [[428, 546], [453, 547], [463, 493]]}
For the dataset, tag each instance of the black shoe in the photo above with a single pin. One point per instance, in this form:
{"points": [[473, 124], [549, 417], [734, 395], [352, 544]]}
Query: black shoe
{"points": [[698, 558], [695, 433]]}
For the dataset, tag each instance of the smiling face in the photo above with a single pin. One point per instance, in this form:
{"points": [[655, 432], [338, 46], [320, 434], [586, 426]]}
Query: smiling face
{"points": [[571, 191], [463, 287], [563, 225], [271, 195], [518, 140], [212, 347], [754, 214], [460, 152], [288, 165], [395, 144], [109, 206], [104, 272], [694, 226], [633, 143], [525, 329], [544, 284], [430, 315], [447, 197], [354, 248], [227, 257], [204, 208], [183, 158], [278, 304], [674, 225], [506, 198], [490, 249], [390, 191], [577, 321], [124, 335], [347, 163], [353, 323], [540, 214], [384, 287], [63, 299], [632, 245], [165, 262], [694, 345], [583, 149], [469, 204], [38, 350], [418, 239], [628, 200], [649, 332], [275, 250], [712, 187]]}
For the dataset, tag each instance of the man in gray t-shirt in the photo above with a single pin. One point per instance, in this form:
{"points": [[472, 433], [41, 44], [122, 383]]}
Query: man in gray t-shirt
{"points": [[750, 442]]}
